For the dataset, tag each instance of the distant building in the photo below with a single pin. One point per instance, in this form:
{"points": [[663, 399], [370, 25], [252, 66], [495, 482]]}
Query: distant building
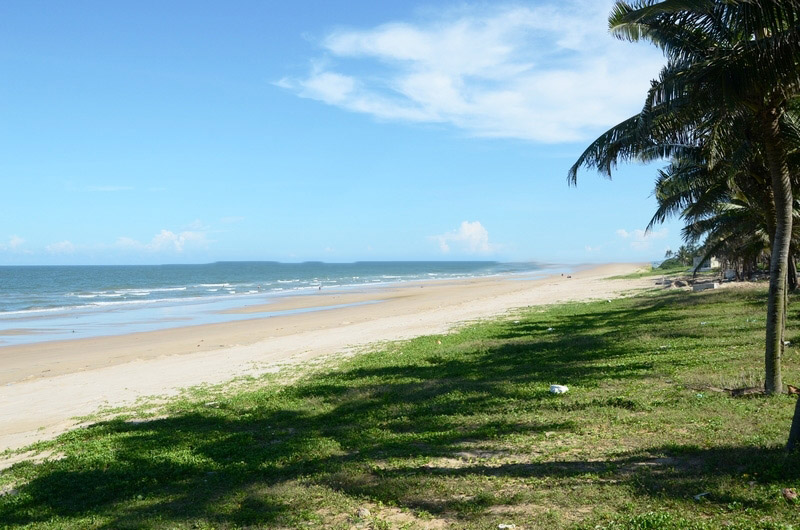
{"points": [[711, 263]]}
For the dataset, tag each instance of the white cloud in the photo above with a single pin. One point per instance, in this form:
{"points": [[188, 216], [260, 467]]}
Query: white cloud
{"points": [[547, 73], [15, 245], [197, 226], [14, 242], [166, 241], [471, 237], [641, 239], [62, 247]]}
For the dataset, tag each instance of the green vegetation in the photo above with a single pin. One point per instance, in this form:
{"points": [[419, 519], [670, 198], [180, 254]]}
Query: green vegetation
{"points": [[671, 266], [683, 256], [732, 160], [459, 431], [667, 268]]}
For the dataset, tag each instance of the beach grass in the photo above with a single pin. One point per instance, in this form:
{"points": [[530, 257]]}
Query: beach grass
{"points": [[667, 270], [459, 431]]}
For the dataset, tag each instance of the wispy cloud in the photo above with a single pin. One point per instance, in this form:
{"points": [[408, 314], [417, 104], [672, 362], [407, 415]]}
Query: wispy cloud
{"points": [[547, 73], [14, 242], [62, 247], [197, 226], [640, 239], [471, 237], [15, 245], [166, 241]]}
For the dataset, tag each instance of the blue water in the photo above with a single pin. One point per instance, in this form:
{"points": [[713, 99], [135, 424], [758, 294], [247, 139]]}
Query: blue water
{"points": [[65, 302]]}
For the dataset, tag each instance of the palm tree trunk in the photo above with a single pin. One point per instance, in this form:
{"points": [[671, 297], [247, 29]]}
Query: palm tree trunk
{"points": [[792, 272], [776, 303]]}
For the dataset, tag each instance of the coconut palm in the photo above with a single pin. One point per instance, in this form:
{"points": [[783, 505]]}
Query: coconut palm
{"points": [[730, 225], [727, 61]]}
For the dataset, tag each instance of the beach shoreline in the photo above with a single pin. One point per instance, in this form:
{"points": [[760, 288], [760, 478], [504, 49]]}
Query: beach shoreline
{"points": [[52, 303], [44, 385]]}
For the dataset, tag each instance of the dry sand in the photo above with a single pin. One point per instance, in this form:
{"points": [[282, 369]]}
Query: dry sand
{"points": [[43, 386]]}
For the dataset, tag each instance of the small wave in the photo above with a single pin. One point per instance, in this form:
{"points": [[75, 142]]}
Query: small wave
{"points": [[40, 310], [149, 290], [94, 305], [124, 303]]}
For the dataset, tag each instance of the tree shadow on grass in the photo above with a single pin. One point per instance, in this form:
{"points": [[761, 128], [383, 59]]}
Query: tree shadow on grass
{"points": [[650, 314], [226, 463], [680, 476], [196, 467]]}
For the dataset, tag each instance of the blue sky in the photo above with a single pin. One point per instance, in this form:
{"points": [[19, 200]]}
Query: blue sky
{"points": [[190, 132]]}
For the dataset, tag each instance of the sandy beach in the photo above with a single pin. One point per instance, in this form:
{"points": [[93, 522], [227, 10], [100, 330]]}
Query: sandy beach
{"points": [[44, 386]]}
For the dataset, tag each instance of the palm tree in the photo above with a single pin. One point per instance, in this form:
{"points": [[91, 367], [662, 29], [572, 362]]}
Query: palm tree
{"points": [[727, 206], [727, 61], [730, 224]]}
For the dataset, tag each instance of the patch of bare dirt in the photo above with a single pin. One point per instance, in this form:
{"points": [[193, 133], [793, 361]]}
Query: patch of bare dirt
{"points": [[35, 457]]}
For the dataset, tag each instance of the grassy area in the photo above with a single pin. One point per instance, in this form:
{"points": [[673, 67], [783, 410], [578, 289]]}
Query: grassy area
{"points": [[672, 271], [664, 270], [459, 431]]}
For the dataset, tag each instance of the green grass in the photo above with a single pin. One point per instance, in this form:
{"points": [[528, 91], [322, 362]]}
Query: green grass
{"points": [[646, 272], [669, 270], [459, 431]]}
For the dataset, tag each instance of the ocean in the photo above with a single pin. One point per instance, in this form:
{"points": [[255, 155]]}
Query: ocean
{"points": [[42, 303]]}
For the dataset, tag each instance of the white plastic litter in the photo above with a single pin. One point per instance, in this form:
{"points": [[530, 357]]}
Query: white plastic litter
{"points": [[549, 329], [505, 525], [558, 389]]}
